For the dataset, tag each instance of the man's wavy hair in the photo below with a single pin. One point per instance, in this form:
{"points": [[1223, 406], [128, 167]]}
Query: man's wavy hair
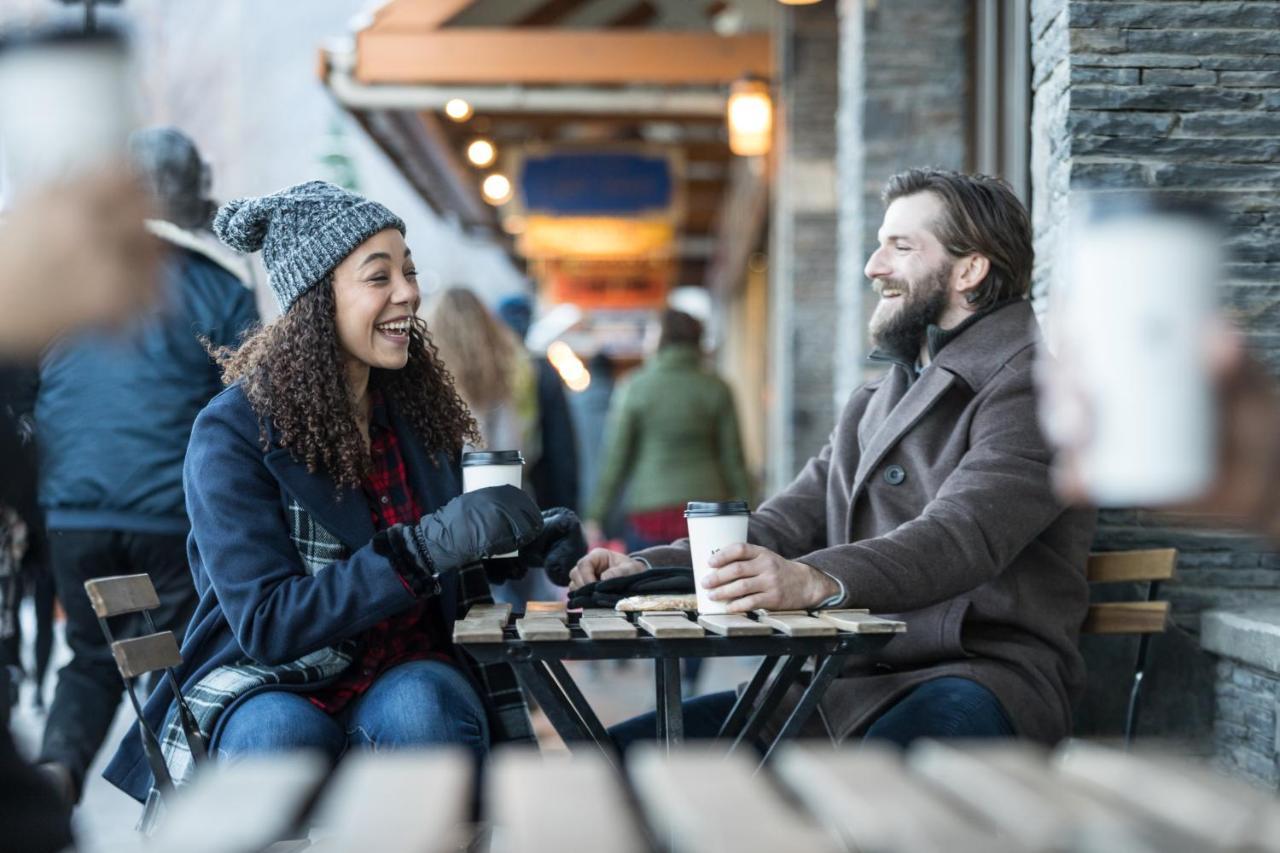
{"points": [[980, 215], [293, 373]]}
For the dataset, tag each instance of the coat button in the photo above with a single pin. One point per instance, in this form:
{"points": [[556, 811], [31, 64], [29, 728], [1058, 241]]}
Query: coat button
{"points": [[385, 499], [894, 475]]}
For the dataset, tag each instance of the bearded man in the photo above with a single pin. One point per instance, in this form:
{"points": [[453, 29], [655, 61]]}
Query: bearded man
{"points": [[931, 501]]}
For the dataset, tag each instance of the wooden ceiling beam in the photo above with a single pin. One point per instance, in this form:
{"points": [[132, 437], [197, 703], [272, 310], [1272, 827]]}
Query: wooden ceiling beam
{"points": [[512, 57]]}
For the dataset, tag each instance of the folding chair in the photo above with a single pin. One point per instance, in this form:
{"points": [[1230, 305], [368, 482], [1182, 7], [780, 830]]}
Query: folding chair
{"points": [[1143, 618], [138, 656]]}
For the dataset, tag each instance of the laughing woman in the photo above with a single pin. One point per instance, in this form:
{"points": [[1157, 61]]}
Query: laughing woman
{"points": [[329, 542]]}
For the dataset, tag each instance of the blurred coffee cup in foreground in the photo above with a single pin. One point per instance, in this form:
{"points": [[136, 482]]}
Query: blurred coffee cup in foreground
{"points": [[1129, 395], [67, 106]]}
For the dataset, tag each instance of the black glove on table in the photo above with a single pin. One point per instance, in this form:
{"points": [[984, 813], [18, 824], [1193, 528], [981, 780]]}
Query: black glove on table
{"points": [[469, 528], [559, 546], [607, 593]]}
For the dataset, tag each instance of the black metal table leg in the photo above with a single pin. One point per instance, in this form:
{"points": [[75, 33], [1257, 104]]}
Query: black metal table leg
{"points": [[579, 703], [535, 679], [671, 698], [769, 703], [741, 708], [822, 679]]}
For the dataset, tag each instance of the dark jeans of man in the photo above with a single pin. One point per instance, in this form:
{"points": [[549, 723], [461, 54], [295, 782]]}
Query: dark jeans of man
{"points": [[943, 708], [89, 687]]}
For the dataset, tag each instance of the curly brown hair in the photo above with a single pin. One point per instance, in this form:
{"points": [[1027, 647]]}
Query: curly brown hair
{"points": [[293, 374]]}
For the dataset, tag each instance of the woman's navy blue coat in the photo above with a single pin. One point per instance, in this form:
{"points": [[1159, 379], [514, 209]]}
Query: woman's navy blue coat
{"points": [[256, 598]]}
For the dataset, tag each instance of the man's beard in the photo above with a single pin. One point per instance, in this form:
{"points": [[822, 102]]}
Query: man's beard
{"points": [[900, 330]]}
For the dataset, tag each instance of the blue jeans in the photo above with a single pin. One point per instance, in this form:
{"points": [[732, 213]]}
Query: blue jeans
{"points": [[943, 708], [420, 703]]}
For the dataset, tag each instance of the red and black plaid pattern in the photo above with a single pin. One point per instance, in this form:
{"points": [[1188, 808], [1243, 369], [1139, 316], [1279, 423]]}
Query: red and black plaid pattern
{"points": [[405, 636]]}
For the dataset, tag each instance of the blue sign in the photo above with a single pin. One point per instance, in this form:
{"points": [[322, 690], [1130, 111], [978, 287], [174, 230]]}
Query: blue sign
{"points": [[596, 184]]}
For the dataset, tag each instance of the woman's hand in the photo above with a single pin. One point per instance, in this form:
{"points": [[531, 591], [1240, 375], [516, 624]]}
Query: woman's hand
{"points": [[558, 547], [473, 526]]}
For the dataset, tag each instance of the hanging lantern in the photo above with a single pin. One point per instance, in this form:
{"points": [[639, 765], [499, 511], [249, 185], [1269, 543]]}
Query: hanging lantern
{"points": [[750, 118]]}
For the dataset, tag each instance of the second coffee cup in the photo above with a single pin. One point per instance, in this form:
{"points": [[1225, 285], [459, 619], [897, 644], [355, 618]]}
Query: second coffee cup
{"points": [[484, 468], [713, 526]]}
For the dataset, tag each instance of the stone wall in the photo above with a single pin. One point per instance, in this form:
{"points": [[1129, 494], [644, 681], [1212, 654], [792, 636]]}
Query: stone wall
{"points": [[803, 234], [1246, 731], [1180, 97], [904, 89]]}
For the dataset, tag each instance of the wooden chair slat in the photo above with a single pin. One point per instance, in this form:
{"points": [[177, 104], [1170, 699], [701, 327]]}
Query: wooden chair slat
{"points": [[701, 799], [243, 805], [140, 655], [1156, 564], [733, 625], [554, 804], [115, 596], [541, 628], [862, 623], [1127, 617], [868, 796], [480, 630], [670, 627], [611, 627], [397, 802], [796, 624]]}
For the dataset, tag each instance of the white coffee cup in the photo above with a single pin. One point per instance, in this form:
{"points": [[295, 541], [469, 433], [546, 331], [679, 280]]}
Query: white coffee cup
{"points": [[67, 106], [1131, 326], [484, 468], [713, 526]]}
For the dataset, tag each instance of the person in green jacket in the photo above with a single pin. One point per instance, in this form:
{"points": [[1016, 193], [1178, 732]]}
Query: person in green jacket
{"points": [[672, 437]]}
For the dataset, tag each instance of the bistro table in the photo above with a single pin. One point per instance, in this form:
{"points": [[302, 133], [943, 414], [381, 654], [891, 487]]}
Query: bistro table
{"points": [[538, 663]]}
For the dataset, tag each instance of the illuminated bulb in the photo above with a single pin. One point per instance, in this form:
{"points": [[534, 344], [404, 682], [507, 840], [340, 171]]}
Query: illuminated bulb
{"points": [[496, 189], [458, 109], [481, 152], [750, 118]]}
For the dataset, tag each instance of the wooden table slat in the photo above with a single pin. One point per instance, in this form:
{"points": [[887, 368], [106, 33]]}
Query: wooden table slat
{"points": [[231, 807], [555, 804], [699, 799], [611, 627], [411, 801], [796, 624], [861, 623], [669, 627], [733, 625], [541, 628]]}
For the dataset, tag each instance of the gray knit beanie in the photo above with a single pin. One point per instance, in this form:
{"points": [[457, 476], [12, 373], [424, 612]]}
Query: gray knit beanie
{"points": [[303, 231]]}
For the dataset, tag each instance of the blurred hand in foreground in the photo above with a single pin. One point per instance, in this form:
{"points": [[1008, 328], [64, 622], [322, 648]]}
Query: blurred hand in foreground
{"points": [[74, 255], [1246, 488]]}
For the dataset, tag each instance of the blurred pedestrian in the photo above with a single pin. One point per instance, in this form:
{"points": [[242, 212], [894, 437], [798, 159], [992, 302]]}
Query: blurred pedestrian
{"points": [[554, 473], [672, 437], [93, 226], [113, 416], [499, 384]]}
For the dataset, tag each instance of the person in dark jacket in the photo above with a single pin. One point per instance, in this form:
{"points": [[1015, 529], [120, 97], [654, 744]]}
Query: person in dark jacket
{"points": [[113, 415], [329, 542]]}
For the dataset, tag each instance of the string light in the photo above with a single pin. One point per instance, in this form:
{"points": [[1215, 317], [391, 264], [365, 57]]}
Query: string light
{"points": [[458, 109], [750, 118], [496, 188], [569, 366], [482, 153]]}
